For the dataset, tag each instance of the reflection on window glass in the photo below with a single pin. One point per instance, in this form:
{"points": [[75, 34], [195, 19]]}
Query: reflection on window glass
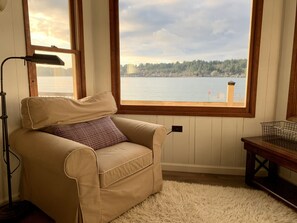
{"points": [[49, 23], [56, 80], [184, 50]]}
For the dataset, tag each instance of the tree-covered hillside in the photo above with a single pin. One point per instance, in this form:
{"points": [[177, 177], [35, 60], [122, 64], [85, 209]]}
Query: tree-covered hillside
{"points": [[57, 71], [196, 68]]}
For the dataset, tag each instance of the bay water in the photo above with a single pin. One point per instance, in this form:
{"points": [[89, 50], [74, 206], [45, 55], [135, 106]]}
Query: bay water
{"points": [[194, 89]]}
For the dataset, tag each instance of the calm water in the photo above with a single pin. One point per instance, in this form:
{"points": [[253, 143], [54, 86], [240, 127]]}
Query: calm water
{"points": [[60, 84], [202, 89]]}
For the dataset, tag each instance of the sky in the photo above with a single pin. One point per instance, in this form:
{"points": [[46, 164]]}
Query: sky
{"points": [[165, 31], [49, 26], [49, 23], [158, 31]]}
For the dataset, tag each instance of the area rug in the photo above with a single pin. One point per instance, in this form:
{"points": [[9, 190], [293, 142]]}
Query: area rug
{"points": [[196, 203]]}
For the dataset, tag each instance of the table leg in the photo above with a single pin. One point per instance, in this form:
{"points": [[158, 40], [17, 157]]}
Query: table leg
{"points": [[249, 168], [272, 173]]}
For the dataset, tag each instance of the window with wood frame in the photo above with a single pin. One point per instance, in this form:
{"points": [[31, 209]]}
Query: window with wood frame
{"points": [[55, 27], [185, 57], [292, 97]]}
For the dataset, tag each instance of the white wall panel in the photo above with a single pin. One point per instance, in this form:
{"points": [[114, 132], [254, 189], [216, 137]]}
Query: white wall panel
{"points": [[289, 13], [228, 142], [203, 141], [15, 80], [216, 141], [167, 155], [240, 154], [181, 141]]}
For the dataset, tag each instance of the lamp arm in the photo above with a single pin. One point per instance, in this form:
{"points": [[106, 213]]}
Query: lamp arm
{"points": [[2, 64]]}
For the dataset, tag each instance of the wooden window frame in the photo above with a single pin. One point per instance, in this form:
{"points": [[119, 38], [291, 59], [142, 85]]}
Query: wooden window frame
{"points": [[253, 64], [292, 97], [77, 48]]}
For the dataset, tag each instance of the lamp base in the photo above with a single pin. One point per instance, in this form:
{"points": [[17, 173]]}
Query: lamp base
{"points": [[16, 212]]}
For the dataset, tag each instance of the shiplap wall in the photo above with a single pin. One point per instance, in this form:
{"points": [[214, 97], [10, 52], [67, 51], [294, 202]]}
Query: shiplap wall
{"points": [[213, 144], [12, 43], [284, 73]]}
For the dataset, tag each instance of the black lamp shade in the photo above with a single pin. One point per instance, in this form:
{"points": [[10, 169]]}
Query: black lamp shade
{"points": [[44, 59]]}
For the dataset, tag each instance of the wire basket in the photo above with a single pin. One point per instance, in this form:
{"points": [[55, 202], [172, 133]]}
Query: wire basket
{"points": [[280, 131]]}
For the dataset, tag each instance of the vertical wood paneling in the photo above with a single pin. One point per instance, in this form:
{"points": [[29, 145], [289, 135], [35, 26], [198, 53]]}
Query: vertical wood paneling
{"points": [[7, 49], [228, 142], [192, 141], [101, 45], [203, 141], [216, 141], [167, 155], [15, 80], [264, 62], [285, 58], [240, 153], [180, 144], [289, 14], [274, 56]]}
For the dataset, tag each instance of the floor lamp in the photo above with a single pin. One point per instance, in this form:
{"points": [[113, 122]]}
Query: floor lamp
{"points": [[11, 210]]}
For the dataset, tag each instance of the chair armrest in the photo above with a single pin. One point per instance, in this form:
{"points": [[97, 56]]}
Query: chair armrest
{"points": [[143, 133], [51, 160], [47, 150], [149, 135]]}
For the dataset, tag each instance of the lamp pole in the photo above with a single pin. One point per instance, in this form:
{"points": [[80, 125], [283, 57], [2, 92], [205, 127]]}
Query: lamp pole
{"points": [[12, 211], [5, 132]]}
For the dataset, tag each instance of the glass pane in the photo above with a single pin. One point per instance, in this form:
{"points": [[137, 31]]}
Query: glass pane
{"points": [[49, 23], [56, 80], [184, 50]]}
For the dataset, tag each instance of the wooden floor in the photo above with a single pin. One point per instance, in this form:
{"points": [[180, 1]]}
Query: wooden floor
{"points": [[202, 178], [37, 216]]}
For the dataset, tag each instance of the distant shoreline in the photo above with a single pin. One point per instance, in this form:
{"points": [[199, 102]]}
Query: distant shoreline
{"points": [[131, 76], [196, 68]]}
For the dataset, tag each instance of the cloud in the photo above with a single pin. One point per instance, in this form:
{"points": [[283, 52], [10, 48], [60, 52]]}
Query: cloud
{"points": [[184, 30], [49, 23]]}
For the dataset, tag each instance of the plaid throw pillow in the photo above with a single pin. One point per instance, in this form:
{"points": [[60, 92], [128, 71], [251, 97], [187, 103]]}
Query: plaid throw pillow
{"points": [[96, 134]]}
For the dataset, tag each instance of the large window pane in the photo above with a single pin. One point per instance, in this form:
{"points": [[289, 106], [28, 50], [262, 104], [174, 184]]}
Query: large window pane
{"points": [[184, 50], [49, 23]]}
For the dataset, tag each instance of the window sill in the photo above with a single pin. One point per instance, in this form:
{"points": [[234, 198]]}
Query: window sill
{"points": [[185, 109]]}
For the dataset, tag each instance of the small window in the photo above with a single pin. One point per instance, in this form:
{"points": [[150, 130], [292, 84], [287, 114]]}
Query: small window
{"points": [[185, 57], [55, 28]]}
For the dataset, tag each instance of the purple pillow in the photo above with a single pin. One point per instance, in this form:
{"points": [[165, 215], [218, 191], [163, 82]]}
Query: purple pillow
{"points": [[96, 134]]}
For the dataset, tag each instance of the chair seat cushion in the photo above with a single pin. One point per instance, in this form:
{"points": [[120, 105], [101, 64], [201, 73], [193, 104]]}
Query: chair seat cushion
{"points": [[120, 161]]}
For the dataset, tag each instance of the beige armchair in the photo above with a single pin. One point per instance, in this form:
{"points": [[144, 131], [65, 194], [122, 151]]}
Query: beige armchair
{"points": [[72, 182]]}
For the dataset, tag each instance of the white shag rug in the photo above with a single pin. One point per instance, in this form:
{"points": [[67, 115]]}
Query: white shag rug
{"points": [[196, 203]]}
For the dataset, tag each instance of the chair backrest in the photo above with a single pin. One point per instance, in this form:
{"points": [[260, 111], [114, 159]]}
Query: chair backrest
{"points": [[40, 112]]}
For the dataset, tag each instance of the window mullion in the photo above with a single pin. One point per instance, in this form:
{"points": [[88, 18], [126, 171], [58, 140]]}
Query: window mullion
{"points": [[53, 49]]}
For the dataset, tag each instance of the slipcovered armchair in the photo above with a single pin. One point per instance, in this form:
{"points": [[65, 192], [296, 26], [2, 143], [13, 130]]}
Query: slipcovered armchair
{"points": [[72, 182]]}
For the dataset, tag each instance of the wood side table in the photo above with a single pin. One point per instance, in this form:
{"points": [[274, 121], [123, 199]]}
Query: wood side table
{"points": [[274, 153]]}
